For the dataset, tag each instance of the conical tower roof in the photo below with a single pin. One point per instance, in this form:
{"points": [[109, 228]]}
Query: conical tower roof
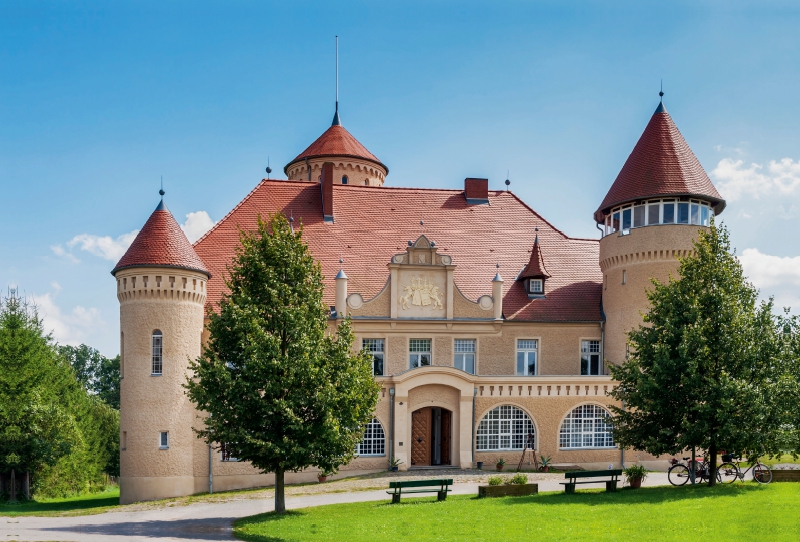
{"points": [[661, 164], [336, 141], [161, 243], [535, 268]]}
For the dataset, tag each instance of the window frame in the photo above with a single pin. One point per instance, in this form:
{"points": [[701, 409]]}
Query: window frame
{"points": [[599, 353], [373, 353], [373, 440], [539, 282], [419, 353], [225, 454], [562, 434], [465, 353], [156, 360], [536, 350], [162, 439], [484, 432]]}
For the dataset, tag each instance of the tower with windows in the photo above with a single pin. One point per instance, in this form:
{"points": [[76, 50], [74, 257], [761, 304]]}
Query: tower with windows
{"points": [[650, 217], [161, 287]]}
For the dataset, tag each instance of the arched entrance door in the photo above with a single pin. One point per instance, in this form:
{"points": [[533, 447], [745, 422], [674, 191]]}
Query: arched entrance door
{"points": [[431, 436]]}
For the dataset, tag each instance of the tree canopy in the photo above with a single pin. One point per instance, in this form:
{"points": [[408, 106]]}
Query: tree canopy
{"points": [[97, 373], [280, 389], [703, 368]]}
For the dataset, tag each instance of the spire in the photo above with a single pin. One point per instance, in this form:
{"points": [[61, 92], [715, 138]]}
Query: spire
{"points": [[336, 121], [535, 267]]}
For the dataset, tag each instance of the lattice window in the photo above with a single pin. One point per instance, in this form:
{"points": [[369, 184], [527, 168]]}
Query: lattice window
{"points": [[586, 427], [464, 357], [590, 358], [419, 353], [527, 354], [158, 345], [374, 441], [504, 428], [376, 348]]}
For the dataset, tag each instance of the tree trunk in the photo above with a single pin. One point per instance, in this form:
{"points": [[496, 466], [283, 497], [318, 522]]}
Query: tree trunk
{"points": [[12, 488], [27, 486], [712, 465], [280, 501]]}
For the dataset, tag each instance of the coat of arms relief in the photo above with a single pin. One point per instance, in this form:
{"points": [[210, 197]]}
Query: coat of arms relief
{"points": [[421, 293]]}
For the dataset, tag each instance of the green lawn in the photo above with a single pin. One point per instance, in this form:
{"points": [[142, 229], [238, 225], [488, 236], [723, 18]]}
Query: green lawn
{"points": [[734, 512], [93, 503]]}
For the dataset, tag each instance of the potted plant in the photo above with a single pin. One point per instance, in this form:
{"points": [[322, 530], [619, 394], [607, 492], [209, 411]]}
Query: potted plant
{"points": [[323, 476], [546, 460], [500, 463], [480, 465], [635, 474], [394, 463]]}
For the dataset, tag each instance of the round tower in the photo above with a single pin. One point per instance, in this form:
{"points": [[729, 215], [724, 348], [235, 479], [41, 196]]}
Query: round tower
{"points": [[161, 287], [651, 215], [352, 162]]}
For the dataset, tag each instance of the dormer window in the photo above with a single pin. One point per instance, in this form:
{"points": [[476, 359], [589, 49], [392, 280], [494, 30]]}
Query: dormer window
{"points": [[536, 286], [534, 275]]}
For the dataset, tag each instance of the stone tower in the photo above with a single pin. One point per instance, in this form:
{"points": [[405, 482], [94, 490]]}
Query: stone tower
{"points": [[161, 287], [352, 162], [650, 216]]}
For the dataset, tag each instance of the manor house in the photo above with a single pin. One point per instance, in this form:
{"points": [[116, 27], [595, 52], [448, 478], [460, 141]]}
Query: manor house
{"points": [[486, 323]]}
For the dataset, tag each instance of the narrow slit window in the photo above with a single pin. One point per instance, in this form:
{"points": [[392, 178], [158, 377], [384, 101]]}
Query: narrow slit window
{"points": [[158, 349], [163, 440]]}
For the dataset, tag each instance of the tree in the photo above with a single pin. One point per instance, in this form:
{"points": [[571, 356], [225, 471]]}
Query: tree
{"points": [[97, 373], [703, 368], [279, 390]]}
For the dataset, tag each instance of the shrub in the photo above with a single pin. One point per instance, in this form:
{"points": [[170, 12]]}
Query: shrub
{"points": [[518, 479], [495, 480], [635, 471]]}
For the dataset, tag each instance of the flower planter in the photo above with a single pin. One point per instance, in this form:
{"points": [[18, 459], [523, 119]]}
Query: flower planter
{"points": [[394, 468], [786, 476], [635, 483], [545, 469], [499, 467], [322, 479], [508, 490]]}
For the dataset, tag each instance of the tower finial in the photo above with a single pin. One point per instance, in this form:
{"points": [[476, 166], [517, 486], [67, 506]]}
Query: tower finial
{"points": [[161, 192], [336, 121], [508, 182], [269, 169], [661, 92]]}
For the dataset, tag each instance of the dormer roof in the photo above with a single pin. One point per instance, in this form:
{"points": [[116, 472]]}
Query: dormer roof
{"points": [[161, 243], [535, 268], [336, 141], [661, 164]]}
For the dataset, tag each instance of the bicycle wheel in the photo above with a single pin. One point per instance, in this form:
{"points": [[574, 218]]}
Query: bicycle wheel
{"points": [[762, 473], [678, 475], [728, 473]]}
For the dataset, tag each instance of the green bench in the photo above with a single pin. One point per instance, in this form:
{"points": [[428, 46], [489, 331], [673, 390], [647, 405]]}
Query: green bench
{"points": [[573, 477], [440, 487]]}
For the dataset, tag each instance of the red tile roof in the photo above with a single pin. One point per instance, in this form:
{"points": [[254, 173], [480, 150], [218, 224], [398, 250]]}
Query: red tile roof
{"points": [[374, 223], [161, 243], [336, 141], [535, 267], [661, 164]]}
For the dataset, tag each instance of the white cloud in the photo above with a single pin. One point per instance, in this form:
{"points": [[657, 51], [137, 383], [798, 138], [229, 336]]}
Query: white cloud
{"points": [[58, 250], [735, 180], [774, 276], [196, 225], [104, 246], [73, 327]]}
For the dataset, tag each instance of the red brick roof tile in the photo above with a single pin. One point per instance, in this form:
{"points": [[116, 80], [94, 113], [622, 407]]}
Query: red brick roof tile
{"points": [[374, 223], [336, 141], [661, 164], [161, 243]]}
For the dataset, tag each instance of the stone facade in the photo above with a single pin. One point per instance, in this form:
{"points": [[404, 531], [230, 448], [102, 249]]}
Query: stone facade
{"points": [[357, 171]]}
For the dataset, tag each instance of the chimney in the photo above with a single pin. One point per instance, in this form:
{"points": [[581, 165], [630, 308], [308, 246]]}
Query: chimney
{"points": [[476, 191], [327, 191], [497, 295], [341, 294]]}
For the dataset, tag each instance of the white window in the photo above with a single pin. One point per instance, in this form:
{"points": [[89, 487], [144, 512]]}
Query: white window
{"points": [[586, 427], [163, 440], [504, 428], [535, 286], [158, 345], [590, 358], [624, 276], [374, 441], [225, 452], [419, 352], [527, 350], [376, 349], [464, 355]]}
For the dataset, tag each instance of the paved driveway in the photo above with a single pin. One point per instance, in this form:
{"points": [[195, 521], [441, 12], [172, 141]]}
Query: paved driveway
{"points": [[197, 521]]}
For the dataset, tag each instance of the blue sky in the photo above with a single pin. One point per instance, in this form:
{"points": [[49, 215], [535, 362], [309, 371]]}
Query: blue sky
{"points": [[98, 100]]}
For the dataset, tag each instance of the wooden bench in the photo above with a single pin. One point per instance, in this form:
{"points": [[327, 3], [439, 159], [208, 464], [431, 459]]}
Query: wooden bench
{"points": [[440, 487], [572, 479]]}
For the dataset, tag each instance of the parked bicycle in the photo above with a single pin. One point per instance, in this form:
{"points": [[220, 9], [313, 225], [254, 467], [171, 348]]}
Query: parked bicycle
{"points": [[730, 471], [679, 473]]}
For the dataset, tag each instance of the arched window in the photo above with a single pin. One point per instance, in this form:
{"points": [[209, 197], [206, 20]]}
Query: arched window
{"points": [[586, 427], [344, 179], [374, 442], [158, 346], [504, 428]]}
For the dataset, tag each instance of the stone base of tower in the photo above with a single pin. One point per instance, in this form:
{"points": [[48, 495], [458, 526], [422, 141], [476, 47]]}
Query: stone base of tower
{"points": [[149, 488]]}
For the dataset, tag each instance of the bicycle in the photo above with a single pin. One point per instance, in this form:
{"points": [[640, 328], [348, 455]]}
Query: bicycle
{"points": [[730, 471], [679, 473]]}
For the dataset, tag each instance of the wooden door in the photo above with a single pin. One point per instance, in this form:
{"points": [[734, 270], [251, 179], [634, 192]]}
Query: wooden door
{"points": [[421, 437], [446, 436]]}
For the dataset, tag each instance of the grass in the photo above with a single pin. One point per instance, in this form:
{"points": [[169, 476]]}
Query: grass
{"points": [[658, 514], [92, 503]]}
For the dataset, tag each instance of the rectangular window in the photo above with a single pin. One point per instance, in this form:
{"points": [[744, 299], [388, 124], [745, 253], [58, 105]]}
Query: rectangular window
{"points": [[615, 222], [527, 350], [419, 353], [704, 215], [124, 440], [535, 286], [624, 276], [225, 452], [158, 344], [652, 213], [163, 440], [683, 213], [464, 355], [376, 349], [638, 216], [669, 212], [121, 354], [626, 219], [590, 358], [695, 218]]}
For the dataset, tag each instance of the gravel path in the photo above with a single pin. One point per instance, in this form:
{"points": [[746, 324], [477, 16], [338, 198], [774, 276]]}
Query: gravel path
{"points": [[211, 517]]}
